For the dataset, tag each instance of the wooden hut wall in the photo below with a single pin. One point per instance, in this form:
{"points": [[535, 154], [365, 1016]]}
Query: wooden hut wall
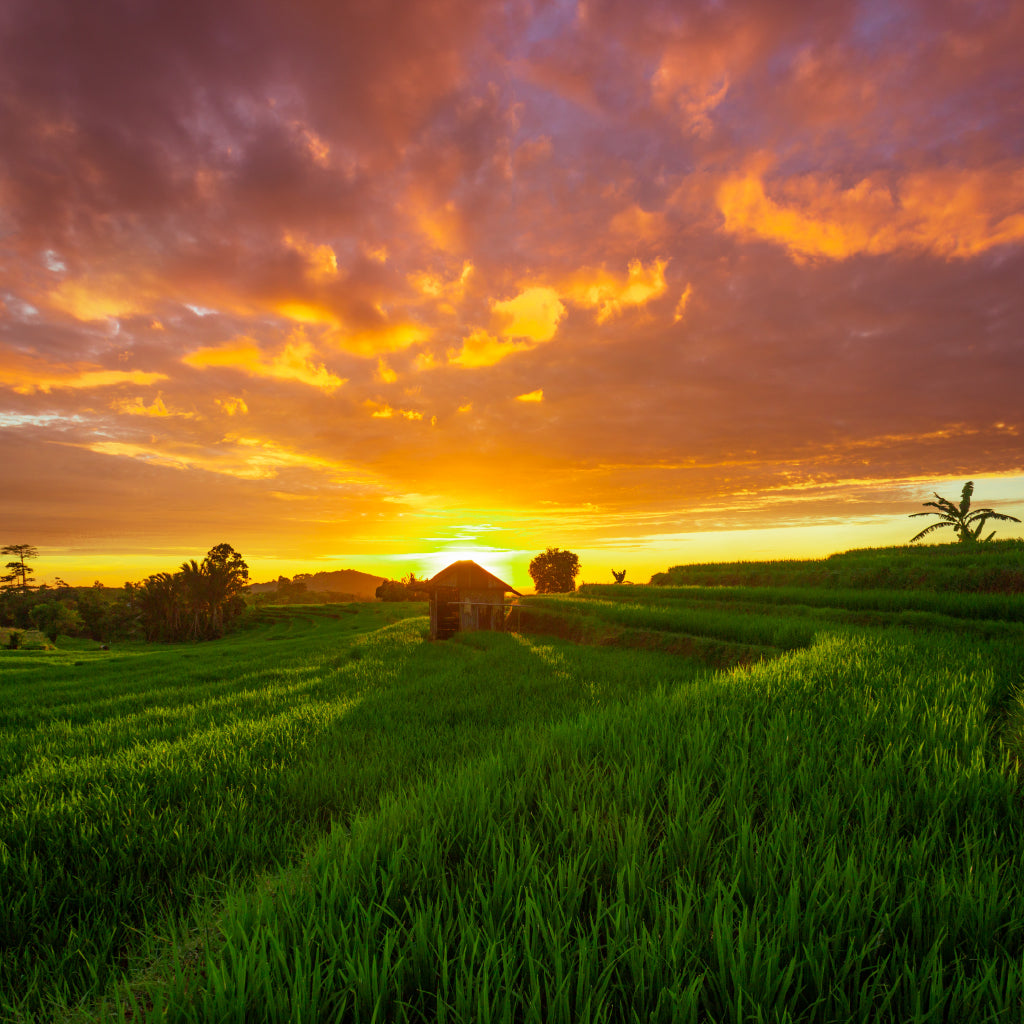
{"points": [[444, 612], [481, 609]]}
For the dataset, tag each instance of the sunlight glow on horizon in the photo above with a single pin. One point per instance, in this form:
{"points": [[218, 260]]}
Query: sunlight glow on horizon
{"points": [[503, 550]]}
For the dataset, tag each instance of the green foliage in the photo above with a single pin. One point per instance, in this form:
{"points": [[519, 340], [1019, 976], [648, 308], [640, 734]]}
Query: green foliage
{"points": [[554, 571], [288, 591], [198, 601], [54, 618], [965, 523]]}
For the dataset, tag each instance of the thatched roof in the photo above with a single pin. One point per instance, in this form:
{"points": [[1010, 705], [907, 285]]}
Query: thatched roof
{"points": [[464, 575]]}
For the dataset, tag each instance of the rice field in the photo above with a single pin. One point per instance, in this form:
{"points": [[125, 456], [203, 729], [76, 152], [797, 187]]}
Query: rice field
{"points": [[140, 786], [329, 818], [996, 567]]}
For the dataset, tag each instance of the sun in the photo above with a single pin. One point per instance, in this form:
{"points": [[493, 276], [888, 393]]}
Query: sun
{"points": [[498, 561]]}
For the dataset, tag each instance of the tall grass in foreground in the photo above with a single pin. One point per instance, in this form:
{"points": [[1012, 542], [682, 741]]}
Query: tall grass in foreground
{"points": [[136, 787], [825, 837]]}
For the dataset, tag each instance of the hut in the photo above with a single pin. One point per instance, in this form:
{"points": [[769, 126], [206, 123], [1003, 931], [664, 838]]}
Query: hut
{"points": [[464, 597]]}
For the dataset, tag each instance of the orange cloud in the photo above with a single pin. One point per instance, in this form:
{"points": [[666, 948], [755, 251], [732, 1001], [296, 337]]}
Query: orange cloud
{"points": [[636, 223], [96, 301], [384, 373], [534, 313], [293, 362], [247, 458], [684, 301], [483, 349], [532, 396], [694, 104], [233, 406], [385, 412], [380, 339], [26, 374], [138, 407], [318, 149], [321, 262], [597, 288], [439, 222], [306, 312], [952, 213], [434, 286], [697, 69]]}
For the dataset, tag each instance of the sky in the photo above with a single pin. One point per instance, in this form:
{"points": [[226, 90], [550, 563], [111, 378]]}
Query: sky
{"points": [[382, 285]]}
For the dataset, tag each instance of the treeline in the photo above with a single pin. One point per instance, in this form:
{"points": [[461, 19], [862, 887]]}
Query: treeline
{"points": [[399, 590], [198, 602], [296, 592]]}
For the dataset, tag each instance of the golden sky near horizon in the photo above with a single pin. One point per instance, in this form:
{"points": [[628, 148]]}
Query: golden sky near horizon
{"points": [[378, 286]]}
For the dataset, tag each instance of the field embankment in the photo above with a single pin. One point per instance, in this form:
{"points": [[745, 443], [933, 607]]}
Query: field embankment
{"points": [[996, 567]]}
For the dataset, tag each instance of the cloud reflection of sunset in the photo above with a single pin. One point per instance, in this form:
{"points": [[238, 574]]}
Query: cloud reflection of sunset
{"points": [[654, 282]]}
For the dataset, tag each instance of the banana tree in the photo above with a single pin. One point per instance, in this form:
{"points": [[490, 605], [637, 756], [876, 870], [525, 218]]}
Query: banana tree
{"points": [[966, 524]]}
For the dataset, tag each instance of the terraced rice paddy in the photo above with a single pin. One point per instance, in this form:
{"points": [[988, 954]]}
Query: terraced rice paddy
{"points": [[329, 818]]}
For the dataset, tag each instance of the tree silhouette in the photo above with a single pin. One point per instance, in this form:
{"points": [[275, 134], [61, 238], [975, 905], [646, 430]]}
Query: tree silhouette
{"points": [[211, 590], [226, 576], [399, 590], [160, 601], [195, 588], [619, 576], [966, 524], [554, 571], [19, 575]]}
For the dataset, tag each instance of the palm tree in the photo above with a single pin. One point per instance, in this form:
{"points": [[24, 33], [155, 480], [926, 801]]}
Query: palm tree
{"points": [[195, 583], [966, 524], [160, 600]]}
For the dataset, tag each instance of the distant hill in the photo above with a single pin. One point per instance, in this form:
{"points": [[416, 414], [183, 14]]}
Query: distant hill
{"points": [[343, 581]]}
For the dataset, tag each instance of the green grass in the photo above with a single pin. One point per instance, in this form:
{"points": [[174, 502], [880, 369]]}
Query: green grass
{"points": [[137, 786], [984, 615], [780, 632], [994, 567], [827, 837], [328, 818]]}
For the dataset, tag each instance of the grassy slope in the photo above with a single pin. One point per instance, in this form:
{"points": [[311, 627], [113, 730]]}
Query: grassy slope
{"points": [[995, 567], [829, 836], [135, 785]]}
